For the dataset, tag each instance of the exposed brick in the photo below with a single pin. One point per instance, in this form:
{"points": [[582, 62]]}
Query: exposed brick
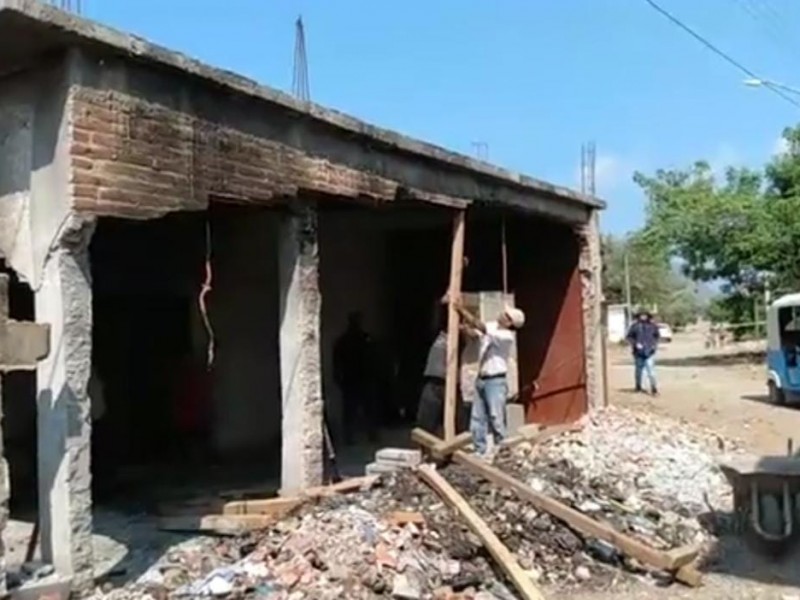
{"points": [[147, 159]]}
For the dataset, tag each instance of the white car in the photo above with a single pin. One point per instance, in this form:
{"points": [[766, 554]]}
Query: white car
{"points": [[664, 332]]}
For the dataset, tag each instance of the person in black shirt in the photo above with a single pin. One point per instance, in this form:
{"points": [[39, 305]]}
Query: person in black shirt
{"points": [[352, 362], [643, 337]]}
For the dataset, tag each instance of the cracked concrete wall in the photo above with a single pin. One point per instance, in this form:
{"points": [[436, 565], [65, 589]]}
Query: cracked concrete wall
{"points": [[48, 249], [64, 300], [300, 361], [592, 296]]}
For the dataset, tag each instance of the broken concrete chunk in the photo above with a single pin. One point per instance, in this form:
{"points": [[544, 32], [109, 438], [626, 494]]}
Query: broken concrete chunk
{"points": [[405, 587], [376, 468], [399, 456]]}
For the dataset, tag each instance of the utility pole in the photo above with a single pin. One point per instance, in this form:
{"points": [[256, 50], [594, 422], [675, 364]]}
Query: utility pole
{"points": [[628, 307]]}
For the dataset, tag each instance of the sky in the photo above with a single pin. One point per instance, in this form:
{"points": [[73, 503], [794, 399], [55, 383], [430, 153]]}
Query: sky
{"points": [[532, 79]]}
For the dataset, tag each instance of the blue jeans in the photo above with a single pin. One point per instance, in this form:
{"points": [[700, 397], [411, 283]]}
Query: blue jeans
{"points": [[488, 412], [645, 365]]}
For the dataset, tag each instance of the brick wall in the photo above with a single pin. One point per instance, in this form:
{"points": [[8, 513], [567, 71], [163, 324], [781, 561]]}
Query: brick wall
{"points": [[134, 159]]}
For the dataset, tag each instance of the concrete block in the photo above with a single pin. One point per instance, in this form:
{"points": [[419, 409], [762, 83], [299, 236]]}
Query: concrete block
{"points": [[399, 456], [515, 418], [376, 468]]}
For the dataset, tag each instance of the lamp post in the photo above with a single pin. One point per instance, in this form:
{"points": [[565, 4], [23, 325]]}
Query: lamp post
{"points": [[768, 83]]}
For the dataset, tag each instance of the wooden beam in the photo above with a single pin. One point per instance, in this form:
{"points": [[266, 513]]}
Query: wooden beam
{"points": [[454, 295], [532, 435], [445, 448], [275, 506], [673, 561], [216, 524], [502, 555], [576, 519]]}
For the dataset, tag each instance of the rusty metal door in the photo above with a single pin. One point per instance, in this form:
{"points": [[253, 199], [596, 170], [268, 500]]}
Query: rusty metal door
{"points": [[551, 346]]}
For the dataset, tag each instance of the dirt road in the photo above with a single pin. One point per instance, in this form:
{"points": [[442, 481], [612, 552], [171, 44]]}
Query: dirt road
{"points": [[724, 391]]}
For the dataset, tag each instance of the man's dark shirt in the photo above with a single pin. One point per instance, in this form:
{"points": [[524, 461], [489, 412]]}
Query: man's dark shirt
{"points": [[643, 337], [351, 356]]}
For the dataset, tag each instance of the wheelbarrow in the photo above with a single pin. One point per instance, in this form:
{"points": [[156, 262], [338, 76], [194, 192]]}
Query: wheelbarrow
{"points": [[766, 500]]}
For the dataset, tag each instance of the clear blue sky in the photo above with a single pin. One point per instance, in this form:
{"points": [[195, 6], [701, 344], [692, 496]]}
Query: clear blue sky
{"points": [[532, 78]]}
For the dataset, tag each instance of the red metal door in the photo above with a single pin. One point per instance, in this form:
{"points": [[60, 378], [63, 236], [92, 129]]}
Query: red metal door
{"points": [[551, 345]]}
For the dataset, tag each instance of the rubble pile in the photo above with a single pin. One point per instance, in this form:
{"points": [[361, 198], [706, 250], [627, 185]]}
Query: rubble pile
{"points": [[550, 551], [648, 477], [361, 545]]}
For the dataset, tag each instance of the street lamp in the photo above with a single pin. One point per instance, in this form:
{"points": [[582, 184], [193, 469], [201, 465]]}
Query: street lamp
{"points": [[755, 82]]}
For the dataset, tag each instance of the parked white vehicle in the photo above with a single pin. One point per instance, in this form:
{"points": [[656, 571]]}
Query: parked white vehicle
{"points": [[664, 332]]}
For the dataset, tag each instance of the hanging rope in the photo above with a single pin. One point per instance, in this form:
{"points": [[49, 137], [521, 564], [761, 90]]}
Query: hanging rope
{"points": [[204, 291], [504, 254]]}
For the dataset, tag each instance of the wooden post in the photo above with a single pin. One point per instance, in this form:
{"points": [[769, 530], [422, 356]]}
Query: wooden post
{"points": [[454, 295]]}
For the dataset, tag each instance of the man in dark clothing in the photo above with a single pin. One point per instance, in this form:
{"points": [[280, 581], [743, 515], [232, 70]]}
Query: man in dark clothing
{"points": [[352, 360], [643, 337]]}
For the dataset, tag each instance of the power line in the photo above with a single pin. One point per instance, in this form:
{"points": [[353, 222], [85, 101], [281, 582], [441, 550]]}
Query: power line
{"points": [[722, 54]]}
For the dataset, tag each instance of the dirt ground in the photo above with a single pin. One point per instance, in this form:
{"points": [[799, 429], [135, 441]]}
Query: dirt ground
{"points": [[725, 391]]}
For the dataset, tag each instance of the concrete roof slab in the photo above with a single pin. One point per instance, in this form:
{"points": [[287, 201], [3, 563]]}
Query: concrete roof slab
{"points": [[30, 30]]}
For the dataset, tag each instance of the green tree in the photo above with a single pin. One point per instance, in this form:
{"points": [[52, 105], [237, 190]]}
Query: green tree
{"points": [[742, 228], [653, 281]]}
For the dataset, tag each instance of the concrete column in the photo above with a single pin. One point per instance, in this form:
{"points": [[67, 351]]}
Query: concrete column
{"points": [[592, 288], [300, 364], [64, 300]]}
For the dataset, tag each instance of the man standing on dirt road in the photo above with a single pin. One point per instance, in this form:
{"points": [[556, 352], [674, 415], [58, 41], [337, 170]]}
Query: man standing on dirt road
{"points": [[643, 337]]}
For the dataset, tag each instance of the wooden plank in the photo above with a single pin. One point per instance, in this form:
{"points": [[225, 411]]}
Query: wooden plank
{"points": [[674, 560], [425, 439], [454, 290], [445, 448], [216, 524], [276, 506], [534, 434], [574, 518], [353, 484], [280, 506], [502, 555], [529, 434]]}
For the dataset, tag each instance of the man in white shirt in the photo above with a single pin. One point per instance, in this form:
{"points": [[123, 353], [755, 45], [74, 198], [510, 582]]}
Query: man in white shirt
{"points": [[489, 408]]}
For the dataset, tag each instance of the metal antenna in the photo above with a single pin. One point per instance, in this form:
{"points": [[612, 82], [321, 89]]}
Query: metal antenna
{"points": [[481, 150], [300, 87], [69, 5], [588, 168]]}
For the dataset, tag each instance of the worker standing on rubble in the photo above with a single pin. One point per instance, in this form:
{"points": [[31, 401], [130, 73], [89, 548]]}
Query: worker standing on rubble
{"points": [[496, 342], [643, 337]]}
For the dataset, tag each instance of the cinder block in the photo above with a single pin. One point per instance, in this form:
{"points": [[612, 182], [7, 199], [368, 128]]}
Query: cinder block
{"points": [[515, 417], [402, 457], [376, 468]]}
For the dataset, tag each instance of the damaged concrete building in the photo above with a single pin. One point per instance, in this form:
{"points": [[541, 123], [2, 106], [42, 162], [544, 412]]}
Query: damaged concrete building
{"points": [[132, 178]]}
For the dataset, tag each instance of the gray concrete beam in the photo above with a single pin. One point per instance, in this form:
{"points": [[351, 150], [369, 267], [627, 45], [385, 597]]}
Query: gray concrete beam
{"points": [[64, 299], [300, 362], [592, 294]]}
